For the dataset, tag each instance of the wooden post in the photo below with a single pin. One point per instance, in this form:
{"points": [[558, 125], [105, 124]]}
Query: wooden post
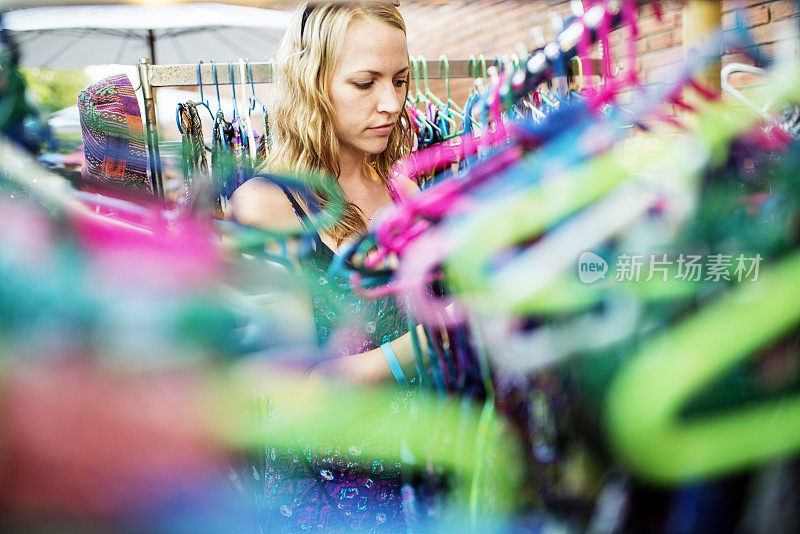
{"points": [[700, 19]]}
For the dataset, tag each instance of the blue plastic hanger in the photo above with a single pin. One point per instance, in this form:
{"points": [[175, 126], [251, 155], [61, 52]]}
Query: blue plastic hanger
{"points": [[216, 84], [233, 87], [202, 103], [254, 98]]}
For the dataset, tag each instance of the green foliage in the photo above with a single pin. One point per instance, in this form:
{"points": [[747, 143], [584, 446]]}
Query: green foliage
{"points": [[54, 89]]}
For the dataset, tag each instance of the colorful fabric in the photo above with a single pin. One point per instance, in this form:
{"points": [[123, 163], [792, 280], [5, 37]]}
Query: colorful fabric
{"points": [[341, 489], [113, 135]]}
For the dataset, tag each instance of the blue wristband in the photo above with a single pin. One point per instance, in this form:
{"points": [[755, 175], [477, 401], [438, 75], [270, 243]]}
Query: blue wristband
{"points": [[394, 365]]}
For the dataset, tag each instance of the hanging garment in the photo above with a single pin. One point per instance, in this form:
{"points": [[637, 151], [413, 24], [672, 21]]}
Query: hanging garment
{"points": [[384, 318], [193, 148], [113, 135], [337, 489], [223, 167]]}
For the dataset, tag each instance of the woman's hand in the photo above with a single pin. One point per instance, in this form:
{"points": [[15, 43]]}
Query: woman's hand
{"points": [[371, 367]]}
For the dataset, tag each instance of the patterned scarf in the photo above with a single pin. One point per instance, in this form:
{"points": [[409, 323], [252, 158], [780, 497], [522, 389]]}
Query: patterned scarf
{"points": [[113, 135]]}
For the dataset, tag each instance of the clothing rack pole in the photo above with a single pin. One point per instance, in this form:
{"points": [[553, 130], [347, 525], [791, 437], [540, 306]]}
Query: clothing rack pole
{"points": [[151, 128], [152, 76]]}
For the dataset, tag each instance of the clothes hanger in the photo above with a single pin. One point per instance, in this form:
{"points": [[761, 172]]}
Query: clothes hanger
{"points": [[202, 103], [432, 98], [216, 85], [472, 71], [255, 99], [717, 125], [251, 140], [444, 65], [417, 97], [528, 213], [408, 219], [405, 226], [579, 81], [644, 403], [428, 100], [427, 93], [725, 74], [233, 88]]}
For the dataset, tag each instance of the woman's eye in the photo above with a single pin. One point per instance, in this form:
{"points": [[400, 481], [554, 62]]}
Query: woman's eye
{"points": [[363, 85], [400, 83]]}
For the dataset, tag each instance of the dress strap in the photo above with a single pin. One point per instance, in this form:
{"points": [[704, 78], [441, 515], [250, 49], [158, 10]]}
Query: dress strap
{"points": [[306, 221], [298, 209]]}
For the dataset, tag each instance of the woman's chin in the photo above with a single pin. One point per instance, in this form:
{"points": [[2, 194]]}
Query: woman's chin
{"points": [[376, 148]]}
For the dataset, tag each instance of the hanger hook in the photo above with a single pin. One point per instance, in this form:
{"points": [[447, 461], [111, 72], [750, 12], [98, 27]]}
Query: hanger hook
{"points": [[482, 65], [233, 86], [216, 84], [424, 64], [252, 85], [579, 71], [472, 71], [200, 83], [252, 105], [446, 64], [501, 65], [413, 60]]}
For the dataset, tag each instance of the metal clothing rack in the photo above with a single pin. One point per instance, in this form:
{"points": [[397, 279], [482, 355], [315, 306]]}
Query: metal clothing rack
{"points": [[152, 76]]}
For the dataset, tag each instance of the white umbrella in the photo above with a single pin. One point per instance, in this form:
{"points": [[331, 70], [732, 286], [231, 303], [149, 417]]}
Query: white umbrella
{"points": [[72, 36]]}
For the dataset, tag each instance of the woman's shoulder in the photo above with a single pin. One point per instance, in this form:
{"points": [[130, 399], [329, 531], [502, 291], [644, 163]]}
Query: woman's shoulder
{"points": [[259, 202]]}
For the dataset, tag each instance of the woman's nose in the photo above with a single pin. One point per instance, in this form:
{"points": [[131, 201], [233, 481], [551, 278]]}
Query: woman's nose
{"points": [[389, 101]]}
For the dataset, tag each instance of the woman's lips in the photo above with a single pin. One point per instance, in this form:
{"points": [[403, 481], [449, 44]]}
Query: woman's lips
{"points": [[386, 129]]}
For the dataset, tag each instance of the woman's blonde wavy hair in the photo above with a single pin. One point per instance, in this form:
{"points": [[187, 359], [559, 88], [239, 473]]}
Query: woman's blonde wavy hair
{"points": [[302, 115]]}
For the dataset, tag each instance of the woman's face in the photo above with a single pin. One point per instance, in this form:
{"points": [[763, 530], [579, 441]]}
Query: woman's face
{"points": [[369, 85]]}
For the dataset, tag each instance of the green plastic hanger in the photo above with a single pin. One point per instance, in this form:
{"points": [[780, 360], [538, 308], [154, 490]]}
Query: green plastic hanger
{"points": [[477, 68], [431, 97], [514, 220], [417, 97], [444, 65], [646, 398]]}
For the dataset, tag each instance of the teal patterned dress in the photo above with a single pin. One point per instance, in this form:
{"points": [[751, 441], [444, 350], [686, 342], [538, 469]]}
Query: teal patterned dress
{"points": [[336, 489]]}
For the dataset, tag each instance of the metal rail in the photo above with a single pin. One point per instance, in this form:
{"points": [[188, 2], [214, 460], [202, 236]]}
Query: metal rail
{"points": [[152, 76]]}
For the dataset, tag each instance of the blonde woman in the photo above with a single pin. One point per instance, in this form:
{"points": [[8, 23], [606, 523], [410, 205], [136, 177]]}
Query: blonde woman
{"points": [[342, 81]]}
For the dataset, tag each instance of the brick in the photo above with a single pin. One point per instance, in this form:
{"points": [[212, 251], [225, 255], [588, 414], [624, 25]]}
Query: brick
{"points": [[650, 25], [754, 16], [660, 41], [757, 15], [662, 57], [770, 33], [744, 79], [729, 5], [782, 9], [677, 36], [661, 74]]}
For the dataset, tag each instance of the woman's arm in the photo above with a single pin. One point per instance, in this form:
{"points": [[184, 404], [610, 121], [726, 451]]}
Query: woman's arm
{"points": [[260, 203], [371, 367]]}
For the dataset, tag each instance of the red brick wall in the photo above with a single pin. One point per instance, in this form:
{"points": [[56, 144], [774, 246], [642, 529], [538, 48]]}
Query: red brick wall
{"points": [[768, 23], [493, 27]]}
